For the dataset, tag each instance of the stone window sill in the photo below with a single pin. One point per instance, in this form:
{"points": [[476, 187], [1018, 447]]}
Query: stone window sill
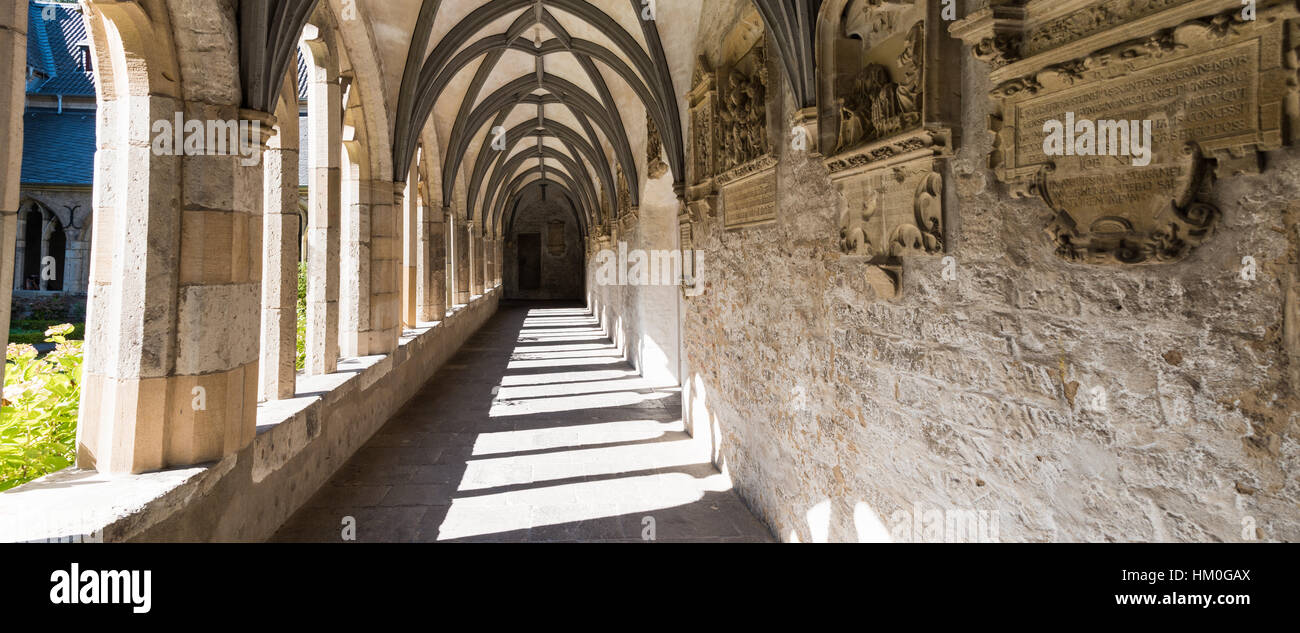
{"points": [[85, 505]]}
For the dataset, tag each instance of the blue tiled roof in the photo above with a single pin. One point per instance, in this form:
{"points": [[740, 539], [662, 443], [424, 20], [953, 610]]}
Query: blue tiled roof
{"points": [[304, 154], [53, 49], [302, 76], [304, 133], [58, 149]]}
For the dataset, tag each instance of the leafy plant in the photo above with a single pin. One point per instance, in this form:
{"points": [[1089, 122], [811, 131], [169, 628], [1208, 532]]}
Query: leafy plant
{"points": [[38, 421], [301, 361], [32, 331]]}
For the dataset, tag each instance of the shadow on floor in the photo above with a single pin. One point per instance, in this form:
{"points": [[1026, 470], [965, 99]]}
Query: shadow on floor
{"points": [[537, 430]]}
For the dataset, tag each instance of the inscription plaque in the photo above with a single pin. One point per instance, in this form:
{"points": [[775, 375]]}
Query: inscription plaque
{"points": [[1139, 131], [750, 201]]}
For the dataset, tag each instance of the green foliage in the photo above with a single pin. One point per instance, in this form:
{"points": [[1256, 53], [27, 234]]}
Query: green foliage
{"points": [[32, 331], [301, 361], [38, 422]]}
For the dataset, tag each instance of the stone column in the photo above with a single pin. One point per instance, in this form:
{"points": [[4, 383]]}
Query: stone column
{"points": [[372, 261], [354, 295], [77, 258], [13, 47], [170, 375], [496, 263], [41, 281], [278, 371], [324, 221], [488, 271], [500, 261], [476, 260], [431, 290], [20, 242], [411, 251], [385, 269], [449, 262], [462, 262]]}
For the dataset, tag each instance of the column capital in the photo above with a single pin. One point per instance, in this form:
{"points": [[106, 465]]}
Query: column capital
{"points": [[262, 129]]}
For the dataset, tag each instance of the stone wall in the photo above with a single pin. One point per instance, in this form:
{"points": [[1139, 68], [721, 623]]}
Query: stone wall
{"points": [[561, 267], [615, 306], [72, 207], [1069, 401]]}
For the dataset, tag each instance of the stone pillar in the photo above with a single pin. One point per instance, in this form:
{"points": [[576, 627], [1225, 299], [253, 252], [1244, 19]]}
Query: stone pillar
{"points": [[171, 367], [77, 259], [372, 261], [324, 221], [496, 263], [500, 261], [278, 372], [411, 251], [476, 260], [45, 253], [13, 73], [488, 269], [20, 241], [385, 269], [449, 262], [462, 262], [354, 295], [431, 289]]}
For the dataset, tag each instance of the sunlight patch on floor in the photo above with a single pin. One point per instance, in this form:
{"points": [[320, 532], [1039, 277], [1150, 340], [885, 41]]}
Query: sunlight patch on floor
{"points": [[567, 377], [635, 383], [572, 437]]}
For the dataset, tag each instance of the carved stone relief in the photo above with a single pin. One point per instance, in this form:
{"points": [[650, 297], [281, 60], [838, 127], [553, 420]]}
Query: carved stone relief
{"points": [[655, 165], [701, 194], [1124, 143], [624, 195], [891, 135], [743, 112], [744, 162]]}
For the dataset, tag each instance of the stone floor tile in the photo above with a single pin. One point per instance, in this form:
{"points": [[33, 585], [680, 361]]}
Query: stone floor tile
{"points": [[535, 431]]}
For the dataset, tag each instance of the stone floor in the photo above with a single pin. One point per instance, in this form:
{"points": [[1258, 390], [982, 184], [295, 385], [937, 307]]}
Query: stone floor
{"points": [[536, 431]]}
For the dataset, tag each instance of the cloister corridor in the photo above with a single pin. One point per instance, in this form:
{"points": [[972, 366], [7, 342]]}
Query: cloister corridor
{"points": [[538, 430], [809, 271]]}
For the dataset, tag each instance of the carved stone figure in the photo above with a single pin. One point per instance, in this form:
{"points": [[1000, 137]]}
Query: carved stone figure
{"points": [[853, 225], [744, 119], [876, 105]]}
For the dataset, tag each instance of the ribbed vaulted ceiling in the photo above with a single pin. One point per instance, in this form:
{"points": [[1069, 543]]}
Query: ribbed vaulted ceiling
{"points": [[558, 76], [562, 78]]}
